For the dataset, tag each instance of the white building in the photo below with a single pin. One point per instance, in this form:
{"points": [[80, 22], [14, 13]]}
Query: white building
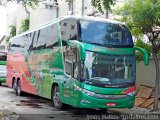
{"points": [[45, 12], [49, 10], [20, 16], [10, 17]]}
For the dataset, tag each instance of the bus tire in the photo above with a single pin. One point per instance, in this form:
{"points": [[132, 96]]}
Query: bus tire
{"points": [[15, 87], [56, 98], [19, 91]]}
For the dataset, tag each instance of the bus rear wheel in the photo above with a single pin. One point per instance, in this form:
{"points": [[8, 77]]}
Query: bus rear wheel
{"points": [[19, 91], [56, 98], [15, 87]]}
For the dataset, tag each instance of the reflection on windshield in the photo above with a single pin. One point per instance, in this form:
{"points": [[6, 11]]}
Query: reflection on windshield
{"points": [[109, 69], [103, 33]]}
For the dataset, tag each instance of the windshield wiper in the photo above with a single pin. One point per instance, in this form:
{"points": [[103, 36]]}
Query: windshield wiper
{"points": [[94, 43], [110, 45]]}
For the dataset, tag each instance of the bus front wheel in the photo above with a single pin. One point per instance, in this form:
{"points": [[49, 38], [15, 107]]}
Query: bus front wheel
{"points": [[56, 98]]}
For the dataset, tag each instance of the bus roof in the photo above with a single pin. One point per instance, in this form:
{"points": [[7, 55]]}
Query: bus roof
{"points": [[69, 17], [93, 19]]}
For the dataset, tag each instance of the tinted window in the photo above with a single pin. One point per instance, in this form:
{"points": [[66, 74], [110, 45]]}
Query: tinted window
{"points": [[103, 33], [27, 41], [70, 57], [109, 69], [52, 36], [40, 39], [17, 45], [47, 37], [41, 43]]}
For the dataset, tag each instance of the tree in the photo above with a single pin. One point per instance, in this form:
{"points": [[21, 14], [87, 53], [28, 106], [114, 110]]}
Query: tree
{"points": [[12, 33], [143, 17], [103, 5], [25, 25], [25, 3]]}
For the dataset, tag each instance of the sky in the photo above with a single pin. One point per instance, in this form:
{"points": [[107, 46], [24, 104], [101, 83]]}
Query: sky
{"points": [[2, 21]]}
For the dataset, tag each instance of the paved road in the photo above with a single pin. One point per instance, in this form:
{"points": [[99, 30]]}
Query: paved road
{"points": [[29, 107]]}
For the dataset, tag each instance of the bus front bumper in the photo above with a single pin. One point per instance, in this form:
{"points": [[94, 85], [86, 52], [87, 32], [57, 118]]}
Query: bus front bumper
{"points": [[92, 102]]}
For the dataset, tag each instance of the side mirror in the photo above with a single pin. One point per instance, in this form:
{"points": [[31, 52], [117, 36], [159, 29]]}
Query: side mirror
{"points": [[145, 54]]}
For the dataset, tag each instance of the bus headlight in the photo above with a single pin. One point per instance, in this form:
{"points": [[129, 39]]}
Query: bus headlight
{"points": [[132, 93], [89, 93]]}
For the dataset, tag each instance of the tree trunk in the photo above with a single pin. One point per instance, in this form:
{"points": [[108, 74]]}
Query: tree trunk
{"points": [[155, 107], [107, 13]]}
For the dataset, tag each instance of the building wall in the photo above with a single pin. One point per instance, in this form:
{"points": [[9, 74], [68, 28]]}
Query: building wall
{"points": [[10, 20], [146, 75], [63, 8], [77, 5], [41, 16], [21, 15]]}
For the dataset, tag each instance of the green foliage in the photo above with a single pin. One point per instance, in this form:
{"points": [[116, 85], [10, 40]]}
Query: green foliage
{"points": [[12, 33], [7, 38], [30, 3], [141, 16], [25, 3], [102, 5], [25, 25], [13, 30]]}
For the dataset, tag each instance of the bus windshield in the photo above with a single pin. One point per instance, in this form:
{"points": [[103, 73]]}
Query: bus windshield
{"points": [[109, 69], [106, 34]]}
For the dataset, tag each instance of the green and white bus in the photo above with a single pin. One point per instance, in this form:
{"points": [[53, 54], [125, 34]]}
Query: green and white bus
{"points": [[85, 62], [3, 56]]}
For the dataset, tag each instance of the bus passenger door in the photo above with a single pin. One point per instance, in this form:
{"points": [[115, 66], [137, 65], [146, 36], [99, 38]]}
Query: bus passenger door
{"points": [[70, 60]]}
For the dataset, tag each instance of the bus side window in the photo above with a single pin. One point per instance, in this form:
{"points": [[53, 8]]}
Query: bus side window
{"points": [[41, 42], [31, 40], [16, 45], [70, 58], [52, 36]]}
